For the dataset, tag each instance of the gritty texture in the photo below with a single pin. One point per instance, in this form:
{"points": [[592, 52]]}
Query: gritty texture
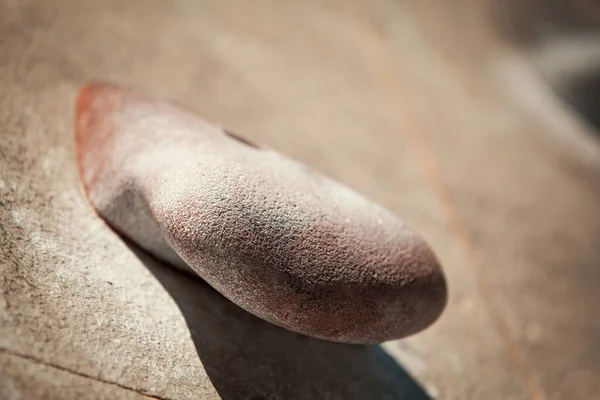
{"points": [[280, 240]]}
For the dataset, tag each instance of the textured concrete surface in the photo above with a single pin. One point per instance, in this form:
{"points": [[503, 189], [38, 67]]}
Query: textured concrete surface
{"points": [[421, 106], [23, 378]]}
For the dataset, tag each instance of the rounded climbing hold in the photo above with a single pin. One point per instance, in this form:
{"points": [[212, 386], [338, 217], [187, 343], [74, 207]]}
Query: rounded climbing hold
{"points": [[275, 237]]}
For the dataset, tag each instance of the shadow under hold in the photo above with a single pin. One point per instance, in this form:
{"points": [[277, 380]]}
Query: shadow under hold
{"points": [[248, 358]]}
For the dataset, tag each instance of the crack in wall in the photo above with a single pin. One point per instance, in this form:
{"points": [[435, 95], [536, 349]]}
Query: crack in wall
{"points": [[80, 374]]}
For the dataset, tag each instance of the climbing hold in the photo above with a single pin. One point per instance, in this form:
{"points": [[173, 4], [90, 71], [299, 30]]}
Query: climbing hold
{"points": [[275, 237]]}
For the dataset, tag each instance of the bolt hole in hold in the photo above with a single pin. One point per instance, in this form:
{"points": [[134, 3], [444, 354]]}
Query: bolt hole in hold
{"points": [[294, 248], [241, 139]]}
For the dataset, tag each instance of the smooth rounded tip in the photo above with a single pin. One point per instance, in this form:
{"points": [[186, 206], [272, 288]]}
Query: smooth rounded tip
{"points": [[415, 299], [277, 238]]}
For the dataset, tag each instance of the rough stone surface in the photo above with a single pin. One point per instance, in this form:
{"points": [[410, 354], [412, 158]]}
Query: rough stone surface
{"points": [[279, 239], [418, 104], [22, 378]]}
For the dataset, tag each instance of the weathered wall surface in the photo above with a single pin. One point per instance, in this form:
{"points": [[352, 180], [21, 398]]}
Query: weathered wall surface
{"points": [[423, 108]]}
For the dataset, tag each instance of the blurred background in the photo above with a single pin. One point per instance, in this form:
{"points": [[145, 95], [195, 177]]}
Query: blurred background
{"points": [[475, 120]]}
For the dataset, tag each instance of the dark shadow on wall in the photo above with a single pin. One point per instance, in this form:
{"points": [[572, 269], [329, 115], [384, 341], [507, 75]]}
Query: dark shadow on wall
{"points": [[248, 358], [583, 93]]}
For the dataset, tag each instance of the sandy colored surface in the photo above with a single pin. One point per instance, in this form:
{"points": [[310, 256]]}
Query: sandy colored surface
{"points": [[424, 109]]}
